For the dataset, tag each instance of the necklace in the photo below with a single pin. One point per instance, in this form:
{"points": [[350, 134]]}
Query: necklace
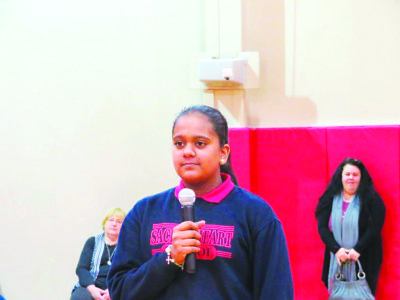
{"points": [[109, 256]]}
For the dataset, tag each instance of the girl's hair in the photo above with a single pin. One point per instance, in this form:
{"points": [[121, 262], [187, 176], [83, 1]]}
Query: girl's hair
{"points": [[220, 127], [365, 191], [113, 212]]}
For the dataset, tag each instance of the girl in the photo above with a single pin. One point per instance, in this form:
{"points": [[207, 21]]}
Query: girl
{"points": [[239, 243]]}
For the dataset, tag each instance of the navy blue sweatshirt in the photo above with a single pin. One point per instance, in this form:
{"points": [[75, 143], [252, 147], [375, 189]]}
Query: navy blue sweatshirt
{"points": [[243, 251]]}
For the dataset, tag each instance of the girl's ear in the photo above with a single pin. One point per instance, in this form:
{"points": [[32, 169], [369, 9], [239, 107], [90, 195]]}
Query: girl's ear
{"points": [[225, 150]]}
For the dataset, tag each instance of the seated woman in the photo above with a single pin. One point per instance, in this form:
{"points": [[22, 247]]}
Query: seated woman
{"points": [[350, 216], [96, 258]]}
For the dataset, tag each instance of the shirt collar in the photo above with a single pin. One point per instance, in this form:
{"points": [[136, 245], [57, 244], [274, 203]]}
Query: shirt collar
{"points": [[217, 194]]}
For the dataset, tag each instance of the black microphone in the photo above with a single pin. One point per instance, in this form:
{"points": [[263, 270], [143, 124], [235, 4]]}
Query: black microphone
{"points": [[187, 197]]}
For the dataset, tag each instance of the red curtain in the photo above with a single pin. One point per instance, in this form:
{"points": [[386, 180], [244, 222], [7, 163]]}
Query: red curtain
{"points": [[290, 168]]}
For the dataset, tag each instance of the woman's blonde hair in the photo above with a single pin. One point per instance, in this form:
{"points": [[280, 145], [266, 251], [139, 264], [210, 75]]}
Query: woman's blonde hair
{"points": [[113, 212]]}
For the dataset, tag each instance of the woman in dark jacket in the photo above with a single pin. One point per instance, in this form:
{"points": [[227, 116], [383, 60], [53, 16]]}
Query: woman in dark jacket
{"points": [[350, 216], [96, 258]]}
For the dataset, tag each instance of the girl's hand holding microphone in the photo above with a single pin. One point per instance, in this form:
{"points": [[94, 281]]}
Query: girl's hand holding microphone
{"points": [[185, 240]]}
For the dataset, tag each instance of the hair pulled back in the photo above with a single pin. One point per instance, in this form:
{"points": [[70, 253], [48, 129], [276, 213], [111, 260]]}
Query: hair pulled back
{"points": [[220, 126]]}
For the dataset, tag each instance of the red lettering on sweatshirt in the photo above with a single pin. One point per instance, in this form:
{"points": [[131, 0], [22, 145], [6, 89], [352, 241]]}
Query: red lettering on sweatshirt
{"points": [[162, 233], [212, 236]]}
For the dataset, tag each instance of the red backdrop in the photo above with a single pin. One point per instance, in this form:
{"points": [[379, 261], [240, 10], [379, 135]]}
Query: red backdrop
{"points": [[290, 168]]}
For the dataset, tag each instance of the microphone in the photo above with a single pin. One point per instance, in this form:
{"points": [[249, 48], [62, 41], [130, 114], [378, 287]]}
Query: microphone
{"points": [[187, 197]]}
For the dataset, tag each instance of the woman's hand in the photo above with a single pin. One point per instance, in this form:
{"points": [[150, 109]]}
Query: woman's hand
{"points": [[186, 240], [353, 255], [342, 255], [106, 295], [97, 293]]}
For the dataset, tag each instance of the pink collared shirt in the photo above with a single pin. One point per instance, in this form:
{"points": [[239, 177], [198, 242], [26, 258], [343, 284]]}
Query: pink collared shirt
{"points": [[217, 194]]}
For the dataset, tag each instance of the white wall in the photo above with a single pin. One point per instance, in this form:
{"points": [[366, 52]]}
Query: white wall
{"points": [[347, 60], [324, 62], [88, 93]]}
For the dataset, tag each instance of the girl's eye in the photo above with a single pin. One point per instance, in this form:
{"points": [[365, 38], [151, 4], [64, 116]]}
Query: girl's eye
{"points": [[178, 143], [200, 143]]}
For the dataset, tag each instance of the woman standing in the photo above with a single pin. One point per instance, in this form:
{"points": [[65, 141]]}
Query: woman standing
{"points": [[240, 245], [350, 216], [95, 259]]}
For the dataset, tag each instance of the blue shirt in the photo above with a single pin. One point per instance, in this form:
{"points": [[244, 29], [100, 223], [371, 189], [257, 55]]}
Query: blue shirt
{"points": [[243, 251]]}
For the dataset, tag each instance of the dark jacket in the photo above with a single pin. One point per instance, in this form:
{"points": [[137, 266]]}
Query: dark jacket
{"points": [[369, 245]]}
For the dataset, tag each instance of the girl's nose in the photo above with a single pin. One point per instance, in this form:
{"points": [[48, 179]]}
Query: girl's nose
{"points": [[188, 150]]}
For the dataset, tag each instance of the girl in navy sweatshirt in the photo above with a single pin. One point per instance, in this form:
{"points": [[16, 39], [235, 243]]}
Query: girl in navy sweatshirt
{"points": [[239, 243]]}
